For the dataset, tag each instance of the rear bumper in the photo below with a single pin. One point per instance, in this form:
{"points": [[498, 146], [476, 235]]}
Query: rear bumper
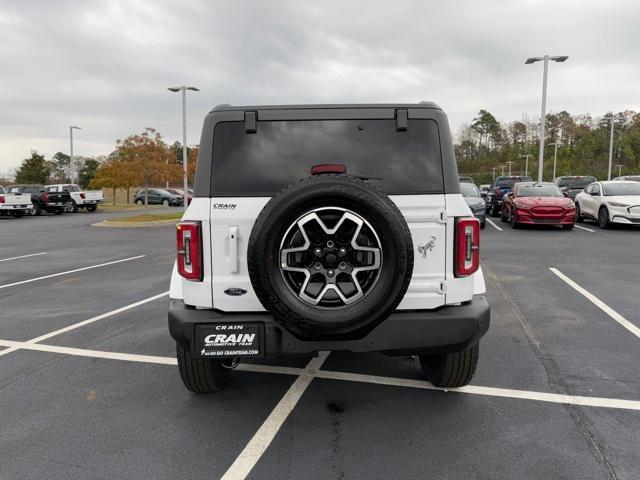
{"points": [[416, 332]]}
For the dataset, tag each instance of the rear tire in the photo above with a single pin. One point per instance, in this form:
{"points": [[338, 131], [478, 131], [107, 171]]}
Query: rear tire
{"points": [[483, 224], [568, 227], [579, 217], [91, 208], [18, 214], [494, 211], [139, 202], [201, 375], [451, 370], [503, 217], [165, 203], [34, 211]]}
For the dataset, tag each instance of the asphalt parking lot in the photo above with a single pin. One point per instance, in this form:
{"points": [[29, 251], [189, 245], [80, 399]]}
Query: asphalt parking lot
{"points": [[89, 386]]}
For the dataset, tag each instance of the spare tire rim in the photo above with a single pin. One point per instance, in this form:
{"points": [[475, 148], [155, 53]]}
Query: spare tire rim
{"points": [[330, 257]]}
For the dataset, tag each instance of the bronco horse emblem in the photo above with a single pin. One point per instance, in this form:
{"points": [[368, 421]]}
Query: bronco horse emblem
{"points": [[423, 248]]}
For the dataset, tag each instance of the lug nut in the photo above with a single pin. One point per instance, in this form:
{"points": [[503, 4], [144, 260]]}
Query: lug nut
{"points": [[342, 252], [317, 265], [317, 251], [330, 244], [343, 265]]}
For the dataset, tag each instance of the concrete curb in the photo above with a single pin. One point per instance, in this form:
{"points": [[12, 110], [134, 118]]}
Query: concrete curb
{"points": [[155, 223]]}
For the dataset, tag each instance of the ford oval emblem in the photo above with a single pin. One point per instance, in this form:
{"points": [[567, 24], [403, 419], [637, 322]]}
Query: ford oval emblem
{"points": [[235, 292]]}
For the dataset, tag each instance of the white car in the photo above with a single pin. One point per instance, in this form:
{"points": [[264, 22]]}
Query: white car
{"points": [[609, 202], [89, 199]]}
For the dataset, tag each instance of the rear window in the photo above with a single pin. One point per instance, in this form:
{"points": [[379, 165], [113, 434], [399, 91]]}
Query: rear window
{"points": [[282, 152], [508, 182], [580, 182]]}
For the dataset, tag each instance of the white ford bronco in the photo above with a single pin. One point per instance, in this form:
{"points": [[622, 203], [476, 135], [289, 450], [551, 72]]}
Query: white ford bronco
{"points": [[327, 227]]}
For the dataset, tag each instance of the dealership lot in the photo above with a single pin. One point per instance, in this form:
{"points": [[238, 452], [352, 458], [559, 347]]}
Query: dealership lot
{"points": [[89, 386]]}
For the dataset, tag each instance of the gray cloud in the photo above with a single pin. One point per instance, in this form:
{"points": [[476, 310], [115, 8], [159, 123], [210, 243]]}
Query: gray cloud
{"points": [[105, 65]]}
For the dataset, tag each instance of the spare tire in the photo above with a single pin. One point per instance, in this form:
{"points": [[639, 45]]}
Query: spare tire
{"points": [[330, 257]]}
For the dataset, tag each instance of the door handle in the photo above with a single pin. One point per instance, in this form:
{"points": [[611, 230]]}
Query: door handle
{"points": [[233, 248]]}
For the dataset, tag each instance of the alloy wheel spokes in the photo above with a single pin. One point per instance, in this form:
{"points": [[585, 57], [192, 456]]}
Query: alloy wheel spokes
{"points": [[323, 254]]}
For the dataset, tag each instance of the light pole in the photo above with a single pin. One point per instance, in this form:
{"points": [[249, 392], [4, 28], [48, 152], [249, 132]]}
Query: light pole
{"points": [[71, 127], [543, 115], [611, 148], [493, 173], [555, 158], [502, 171], [526, 163], [619, 169], [510, 163], [184, 89]]}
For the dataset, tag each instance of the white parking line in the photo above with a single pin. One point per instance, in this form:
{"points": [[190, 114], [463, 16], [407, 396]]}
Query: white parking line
{"points": [[584, 228], [259, 443], [312, 371], [493, 224], [22, 256], [70, 271], [487, 391], [598, 303], [13, 348]]}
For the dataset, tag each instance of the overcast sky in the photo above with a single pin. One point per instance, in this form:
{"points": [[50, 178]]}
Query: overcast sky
{"points": [[105, 65]]}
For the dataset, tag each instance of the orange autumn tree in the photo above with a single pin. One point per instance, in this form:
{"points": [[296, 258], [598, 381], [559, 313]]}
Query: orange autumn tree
{"points": [[145, 160]]}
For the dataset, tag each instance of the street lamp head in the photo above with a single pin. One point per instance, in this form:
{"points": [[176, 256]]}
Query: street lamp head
{"points": [[560, 58], [178, 89], [73, 126], [532, 60]]}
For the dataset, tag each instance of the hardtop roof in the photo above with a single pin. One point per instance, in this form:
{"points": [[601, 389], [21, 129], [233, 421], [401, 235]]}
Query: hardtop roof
{"points": [[227, 107]]}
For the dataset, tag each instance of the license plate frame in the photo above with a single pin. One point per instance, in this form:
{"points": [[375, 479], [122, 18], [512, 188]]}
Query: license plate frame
{"points": [[229, 340]]}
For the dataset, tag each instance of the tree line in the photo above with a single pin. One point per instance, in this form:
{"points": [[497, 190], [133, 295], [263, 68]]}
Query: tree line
{"points": [[582, 145], [140, 160]]}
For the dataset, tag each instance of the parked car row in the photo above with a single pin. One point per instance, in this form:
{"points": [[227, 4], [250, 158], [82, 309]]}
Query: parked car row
{"points": [[33, 199], [568, 199]]}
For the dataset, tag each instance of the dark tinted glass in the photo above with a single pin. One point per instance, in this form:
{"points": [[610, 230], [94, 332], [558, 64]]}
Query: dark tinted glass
{"points": [[506, 182], [282, 152], [579, 182], [544, 190]]}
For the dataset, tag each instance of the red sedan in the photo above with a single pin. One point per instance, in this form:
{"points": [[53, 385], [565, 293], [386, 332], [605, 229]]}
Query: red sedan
{"points": [[538, 203]]}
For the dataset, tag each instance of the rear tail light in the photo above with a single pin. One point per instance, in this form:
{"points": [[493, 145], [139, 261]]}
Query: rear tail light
{"points": [[467, 241], [189, 250], [1, 198], [82, 196], [328, 168]]}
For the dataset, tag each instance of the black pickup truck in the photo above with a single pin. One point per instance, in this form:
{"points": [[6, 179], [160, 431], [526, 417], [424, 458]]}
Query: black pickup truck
{"points": [[43, 201]]}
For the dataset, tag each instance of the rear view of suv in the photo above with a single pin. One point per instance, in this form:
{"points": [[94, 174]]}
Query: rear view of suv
{"points": [[316, 228]]}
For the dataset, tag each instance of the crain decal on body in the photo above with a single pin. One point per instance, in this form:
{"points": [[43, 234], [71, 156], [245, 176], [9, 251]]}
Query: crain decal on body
{"points": [[224, 206]]}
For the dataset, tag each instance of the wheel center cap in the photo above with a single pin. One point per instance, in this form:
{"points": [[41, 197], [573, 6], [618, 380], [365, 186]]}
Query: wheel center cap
{"points": [[331, 260]]}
